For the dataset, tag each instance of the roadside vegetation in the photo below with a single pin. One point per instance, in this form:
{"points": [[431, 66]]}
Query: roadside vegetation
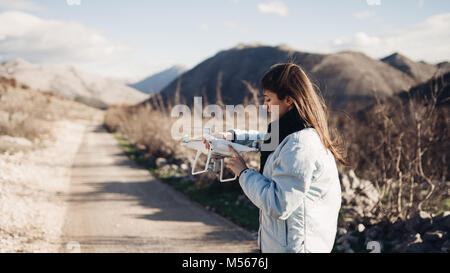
{"points": [[399, 153]]}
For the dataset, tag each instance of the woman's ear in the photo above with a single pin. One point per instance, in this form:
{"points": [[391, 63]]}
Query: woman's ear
{"points": [[289, 101]]}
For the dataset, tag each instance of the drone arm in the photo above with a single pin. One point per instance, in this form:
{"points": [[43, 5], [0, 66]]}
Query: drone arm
{"points": [[245, 137]]}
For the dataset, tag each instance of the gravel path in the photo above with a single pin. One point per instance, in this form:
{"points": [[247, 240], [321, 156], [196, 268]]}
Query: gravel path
{"points": [[116, 206], [32, 189]]}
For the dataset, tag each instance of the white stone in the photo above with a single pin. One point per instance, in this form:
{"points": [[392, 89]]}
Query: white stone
{"points": [[361, 227]]}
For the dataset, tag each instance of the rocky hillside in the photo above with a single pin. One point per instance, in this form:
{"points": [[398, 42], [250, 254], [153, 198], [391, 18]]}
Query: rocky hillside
{"points": [[343, 77], [70, 83], [438, 87], [420, 71], [422, 233]]}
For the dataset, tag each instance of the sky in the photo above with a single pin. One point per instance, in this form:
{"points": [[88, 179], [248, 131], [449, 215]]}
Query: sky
{"points": [[134, 38]]}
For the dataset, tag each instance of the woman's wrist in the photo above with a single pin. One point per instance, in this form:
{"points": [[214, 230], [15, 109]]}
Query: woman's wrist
{"points": [[246, 168]]}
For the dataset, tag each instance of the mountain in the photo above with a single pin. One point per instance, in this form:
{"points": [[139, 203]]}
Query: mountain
{"points": [[437, 88], [420, 71], [156, 82], [342, 77], [71, 83], [445, 66]]}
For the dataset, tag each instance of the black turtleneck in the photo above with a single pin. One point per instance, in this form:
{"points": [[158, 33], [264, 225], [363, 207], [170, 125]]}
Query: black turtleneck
{"points": [[289, 123]]}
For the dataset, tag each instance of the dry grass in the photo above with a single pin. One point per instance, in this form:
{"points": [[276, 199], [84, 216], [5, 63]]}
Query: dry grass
{"points": [[27, 113], [146, 128], [402, 147]]}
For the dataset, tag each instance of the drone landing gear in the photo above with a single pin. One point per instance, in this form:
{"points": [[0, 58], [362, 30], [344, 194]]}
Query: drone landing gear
{"points": [[213, 165]]}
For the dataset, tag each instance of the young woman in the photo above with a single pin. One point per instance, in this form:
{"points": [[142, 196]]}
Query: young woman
{"points": [[297, 189]]}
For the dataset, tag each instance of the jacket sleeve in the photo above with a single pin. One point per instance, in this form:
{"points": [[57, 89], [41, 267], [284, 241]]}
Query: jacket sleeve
{"points": [[292, 173], [246, 137]]}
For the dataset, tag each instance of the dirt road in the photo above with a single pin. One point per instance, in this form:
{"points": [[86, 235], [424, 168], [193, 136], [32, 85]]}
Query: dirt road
{"points": [[116, 206]]}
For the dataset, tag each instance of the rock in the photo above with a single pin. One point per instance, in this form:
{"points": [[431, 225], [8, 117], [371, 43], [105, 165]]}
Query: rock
{"points": [[352, 239], [242, 197], [412, 224], [418, 238], [424, 215], [341, 231], [446, 246], [184, 166], [373, 232], [354, 181], [361, 228], [424, 227], [440, 217], [433, 236], [358, 194], [419, 248], [187, 179], [349, 250], [445, 222], [141, 147], [345, 183], [421, 223], [398, 225], [347, 238], [16, 140], [160, 162], [413, 244], [344, 246], [426, 222], [341, 239]]}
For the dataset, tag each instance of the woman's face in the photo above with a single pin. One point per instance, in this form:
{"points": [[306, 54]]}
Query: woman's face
{"points": [[271, 99]]}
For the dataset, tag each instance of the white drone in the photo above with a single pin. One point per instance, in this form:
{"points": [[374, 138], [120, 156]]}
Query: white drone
{"points": [[218, 150]]}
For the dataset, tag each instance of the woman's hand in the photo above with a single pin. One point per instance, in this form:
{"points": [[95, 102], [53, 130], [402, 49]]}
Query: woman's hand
{"points": [[236, 164], [206, 144]]}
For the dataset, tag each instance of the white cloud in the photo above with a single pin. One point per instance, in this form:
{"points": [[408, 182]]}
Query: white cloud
{"points": [[277, 7], [18, 4], [46, 42], [427, 40], [51, 41], [421, 3], [365, 14], [204, 27], [230, 24]]}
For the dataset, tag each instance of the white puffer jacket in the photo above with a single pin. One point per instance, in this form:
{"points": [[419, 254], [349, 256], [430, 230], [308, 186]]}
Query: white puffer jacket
{"points": [[299, 195]]}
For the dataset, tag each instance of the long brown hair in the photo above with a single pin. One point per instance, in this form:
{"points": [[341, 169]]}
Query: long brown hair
{"points": [[289, 79]]}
